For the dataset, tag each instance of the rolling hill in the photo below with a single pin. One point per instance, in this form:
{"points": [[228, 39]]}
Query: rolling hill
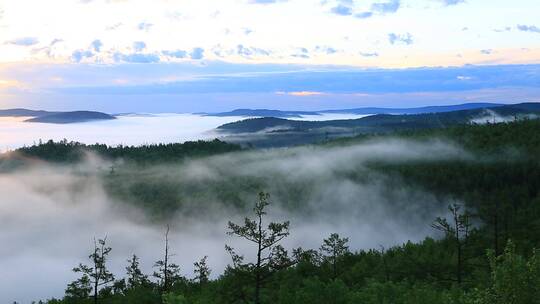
{"points": [[359, 111], [271, 131], [23, 113], [71, 117]]}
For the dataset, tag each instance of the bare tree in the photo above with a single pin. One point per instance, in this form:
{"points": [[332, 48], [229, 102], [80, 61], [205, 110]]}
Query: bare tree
{"points": [[458, 231], [167, 273], [95, 276], [271, 256], [332, 249]]}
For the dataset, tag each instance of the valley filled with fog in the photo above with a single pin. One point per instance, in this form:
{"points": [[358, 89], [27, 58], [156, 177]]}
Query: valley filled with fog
{"points": [[133, 129], [53, 212]]}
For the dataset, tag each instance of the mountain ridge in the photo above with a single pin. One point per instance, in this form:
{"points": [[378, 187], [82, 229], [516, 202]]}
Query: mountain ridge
{"points": [[362, 110], [71, 117]]}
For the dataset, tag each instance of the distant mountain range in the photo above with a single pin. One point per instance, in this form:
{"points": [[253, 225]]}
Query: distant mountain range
{"points": [[273, 131], [263, 113], [56, 117], [359, 111]]}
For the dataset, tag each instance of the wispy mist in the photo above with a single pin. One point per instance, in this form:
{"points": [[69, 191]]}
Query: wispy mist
{"points": [[49, 215]]}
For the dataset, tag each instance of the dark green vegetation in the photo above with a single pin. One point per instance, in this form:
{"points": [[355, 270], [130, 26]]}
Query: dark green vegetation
{"points": [[72, 152], [271, 131], [485, 254]]}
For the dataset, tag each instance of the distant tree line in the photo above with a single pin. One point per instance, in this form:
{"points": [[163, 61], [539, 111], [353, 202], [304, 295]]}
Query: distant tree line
{"points": [[69, 151]]}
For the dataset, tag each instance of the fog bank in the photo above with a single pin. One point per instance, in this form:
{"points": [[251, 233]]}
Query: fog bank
{"points": [[49, 215]]}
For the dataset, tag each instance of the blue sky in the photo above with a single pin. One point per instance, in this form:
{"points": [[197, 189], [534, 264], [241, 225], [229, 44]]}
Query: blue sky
{"points": [[162, 55]]}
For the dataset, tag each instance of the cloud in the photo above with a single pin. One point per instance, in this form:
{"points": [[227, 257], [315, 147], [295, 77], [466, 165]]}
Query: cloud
{"points": [[364, 15], [265, 1], [175, 54], [452, 2], [250, 51], [225, 78], [144, 26], [304, 56], [341, 10], [386, 7], [330, 50], [139, 46], [197, 53], [528, 28], [301, 93], [505, 29], [486, 51], [400, 38], [136, 58], [23, 41], [114, 26], [4, 83], [325, 49], [79, 55], [373, 54], [55, 41], [96, 45]]}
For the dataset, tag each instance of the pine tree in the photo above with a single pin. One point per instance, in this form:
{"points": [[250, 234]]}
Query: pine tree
{"points": [[332, 249], [271, 256], [93, 277], [202, 271], [135, 277]]}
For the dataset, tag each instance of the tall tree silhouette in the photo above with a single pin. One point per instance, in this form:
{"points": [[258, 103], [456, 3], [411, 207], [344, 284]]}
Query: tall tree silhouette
{"points": [[167, 273], [94, 276], [270, 256], [332, 249], [458, 231], [135, 277], [202, 271]]}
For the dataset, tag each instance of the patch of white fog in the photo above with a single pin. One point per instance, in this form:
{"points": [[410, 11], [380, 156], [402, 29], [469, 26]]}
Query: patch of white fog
{"points": [[490, 116], [132, 129], [49, 215]]}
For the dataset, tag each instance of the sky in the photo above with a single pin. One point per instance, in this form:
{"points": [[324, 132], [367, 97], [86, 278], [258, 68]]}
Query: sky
{"points": [[189, 56]]}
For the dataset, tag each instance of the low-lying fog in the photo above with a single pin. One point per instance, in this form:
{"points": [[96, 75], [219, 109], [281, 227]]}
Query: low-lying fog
{"points": [[50, 214], [127, 130]]}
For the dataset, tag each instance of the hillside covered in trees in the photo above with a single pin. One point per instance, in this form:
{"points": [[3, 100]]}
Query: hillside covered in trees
{"points": [[488, 180]]}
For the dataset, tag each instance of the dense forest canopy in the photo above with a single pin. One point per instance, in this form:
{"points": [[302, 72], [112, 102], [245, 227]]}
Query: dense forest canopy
{"points": [[489, 177]]}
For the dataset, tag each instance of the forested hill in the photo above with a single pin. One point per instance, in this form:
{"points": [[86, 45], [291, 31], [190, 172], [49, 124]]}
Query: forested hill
{"points": [[70, 152], [487, 139], [365, 110], [277, 132], [485, 252], [71, 117], [384, 122]]}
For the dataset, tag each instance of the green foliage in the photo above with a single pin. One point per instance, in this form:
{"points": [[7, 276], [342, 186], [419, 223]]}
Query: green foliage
{"points": [[171, 298], [70, 152], [516, 280], [498, 186]]}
